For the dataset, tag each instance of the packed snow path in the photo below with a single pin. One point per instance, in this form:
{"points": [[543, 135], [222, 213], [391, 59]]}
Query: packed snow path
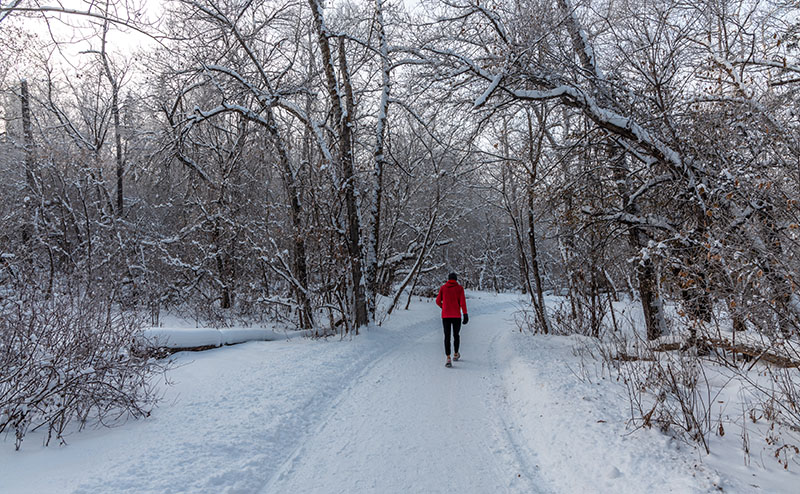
{"points": [[412, 425], [375, 413]]}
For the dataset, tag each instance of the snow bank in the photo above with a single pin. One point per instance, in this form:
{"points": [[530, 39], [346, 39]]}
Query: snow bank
{"points": [[179, 333], [203, 337]]}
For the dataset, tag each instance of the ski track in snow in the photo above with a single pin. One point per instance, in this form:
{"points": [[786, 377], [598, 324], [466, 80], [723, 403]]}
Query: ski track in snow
{"points": [[375, 413]]}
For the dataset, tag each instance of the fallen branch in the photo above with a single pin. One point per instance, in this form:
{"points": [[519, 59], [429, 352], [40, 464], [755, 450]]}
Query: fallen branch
{"points": [[753, 352]]}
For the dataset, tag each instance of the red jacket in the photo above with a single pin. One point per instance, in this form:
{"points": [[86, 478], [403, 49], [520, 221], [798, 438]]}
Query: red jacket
{"points": [[451, 299]]}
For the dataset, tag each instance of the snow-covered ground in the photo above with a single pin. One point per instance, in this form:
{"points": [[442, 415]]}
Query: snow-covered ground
{"points": [[381, 413]]}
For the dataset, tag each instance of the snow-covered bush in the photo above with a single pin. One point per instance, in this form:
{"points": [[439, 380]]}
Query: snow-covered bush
{"points": [[689, 392], [68, 360], [672, 392]]}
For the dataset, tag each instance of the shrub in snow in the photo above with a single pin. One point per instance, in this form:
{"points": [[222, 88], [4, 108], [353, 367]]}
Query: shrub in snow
{"points": [[696, 395], [69, 361]]}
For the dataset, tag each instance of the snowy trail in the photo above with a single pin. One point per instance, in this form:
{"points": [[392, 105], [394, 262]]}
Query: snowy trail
{"points": [[375, 413], [412, 425]]}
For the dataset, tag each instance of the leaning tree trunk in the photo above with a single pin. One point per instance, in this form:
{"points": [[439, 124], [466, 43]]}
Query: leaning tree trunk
{"points": [[418, 263]]}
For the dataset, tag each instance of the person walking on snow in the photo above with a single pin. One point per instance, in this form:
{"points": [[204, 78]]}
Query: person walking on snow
{"points": [[453, 303]]}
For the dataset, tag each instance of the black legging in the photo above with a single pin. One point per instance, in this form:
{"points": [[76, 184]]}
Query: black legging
{"points": [[455, 324]]}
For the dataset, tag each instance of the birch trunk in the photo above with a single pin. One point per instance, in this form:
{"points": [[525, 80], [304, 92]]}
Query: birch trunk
{"points": [[379, 165]]}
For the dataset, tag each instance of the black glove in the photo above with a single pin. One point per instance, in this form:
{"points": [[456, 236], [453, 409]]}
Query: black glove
{"points": [[466, 319]]}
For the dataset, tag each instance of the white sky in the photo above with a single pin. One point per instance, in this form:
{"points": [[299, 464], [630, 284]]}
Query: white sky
{"points": [[76, 33], [73, 35]]}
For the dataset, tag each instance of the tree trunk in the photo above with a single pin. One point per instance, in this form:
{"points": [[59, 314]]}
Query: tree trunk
{"points": [[379, 165], [225, 291], [27, 136], [417, 264], [523, 273], [353, 215], [777, 278], [115, 114], [299, 266], [534, 155], [645, 270], [594, 300], [343, 107]]}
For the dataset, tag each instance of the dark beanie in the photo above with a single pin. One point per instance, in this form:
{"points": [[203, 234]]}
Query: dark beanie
{"points": [[452, 276]]}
